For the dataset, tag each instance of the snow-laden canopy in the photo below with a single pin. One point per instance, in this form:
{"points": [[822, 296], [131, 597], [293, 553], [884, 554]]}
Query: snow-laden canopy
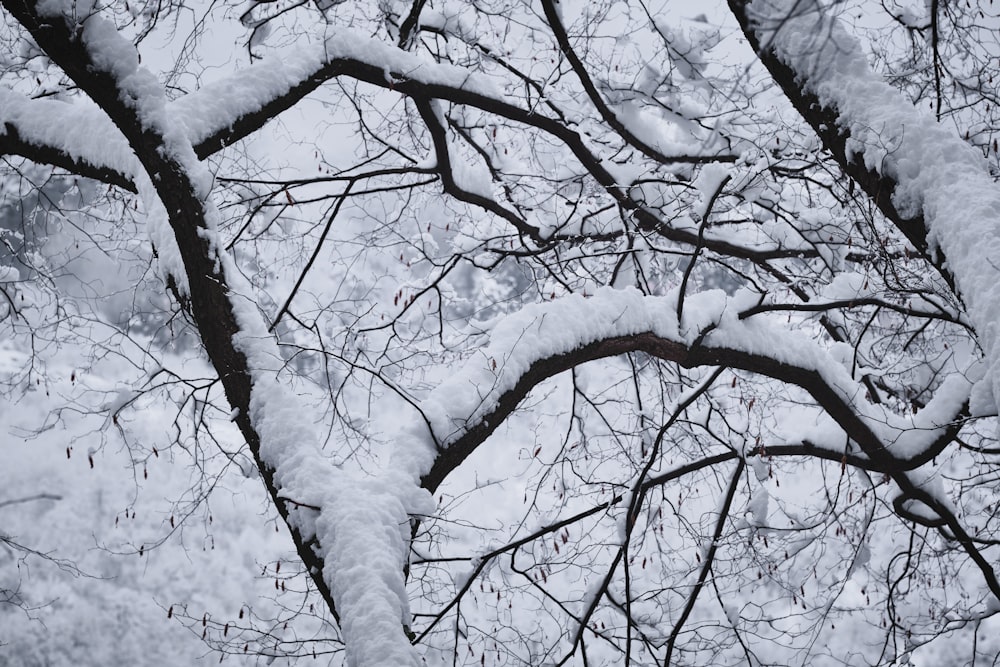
{"points": [[560, 266]]}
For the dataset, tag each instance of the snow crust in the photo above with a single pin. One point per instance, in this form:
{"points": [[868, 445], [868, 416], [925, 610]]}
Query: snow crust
{"points": [[364, 518], [370, 518]]}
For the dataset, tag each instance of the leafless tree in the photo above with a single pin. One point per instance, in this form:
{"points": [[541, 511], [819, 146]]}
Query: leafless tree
{"points": [[555, 335]]}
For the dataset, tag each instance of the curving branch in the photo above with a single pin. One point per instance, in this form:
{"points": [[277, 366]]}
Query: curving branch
{"points": [[618, 323], [231, 109], [445, 169], [621, 326]]}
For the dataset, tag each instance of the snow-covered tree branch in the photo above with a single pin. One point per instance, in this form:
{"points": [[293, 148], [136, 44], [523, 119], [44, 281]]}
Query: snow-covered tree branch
{"points": [[553, 334]]}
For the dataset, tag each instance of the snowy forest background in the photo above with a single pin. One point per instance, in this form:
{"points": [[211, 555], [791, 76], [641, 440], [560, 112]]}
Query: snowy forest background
{"points": [[499, 332]]}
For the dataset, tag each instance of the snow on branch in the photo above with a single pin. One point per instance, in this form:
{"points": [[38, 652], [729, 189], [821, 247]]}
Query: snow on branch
{"points": [[931, 184], [230, 109], [362, 523], [542, 340], [83, 141]]}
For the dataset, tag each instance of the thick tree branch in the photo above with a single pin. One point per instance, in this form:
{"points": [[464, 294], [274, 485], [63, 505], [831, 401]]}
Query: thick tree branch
{"points": [[689, 356], [211, 307], [387, 67], [824, 119], [12, 143], [702, 352]]}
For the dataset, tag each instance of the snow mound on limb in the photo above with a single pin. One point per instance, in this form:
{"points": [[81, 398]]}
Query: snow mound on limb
{"points": [[937, 174]]}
